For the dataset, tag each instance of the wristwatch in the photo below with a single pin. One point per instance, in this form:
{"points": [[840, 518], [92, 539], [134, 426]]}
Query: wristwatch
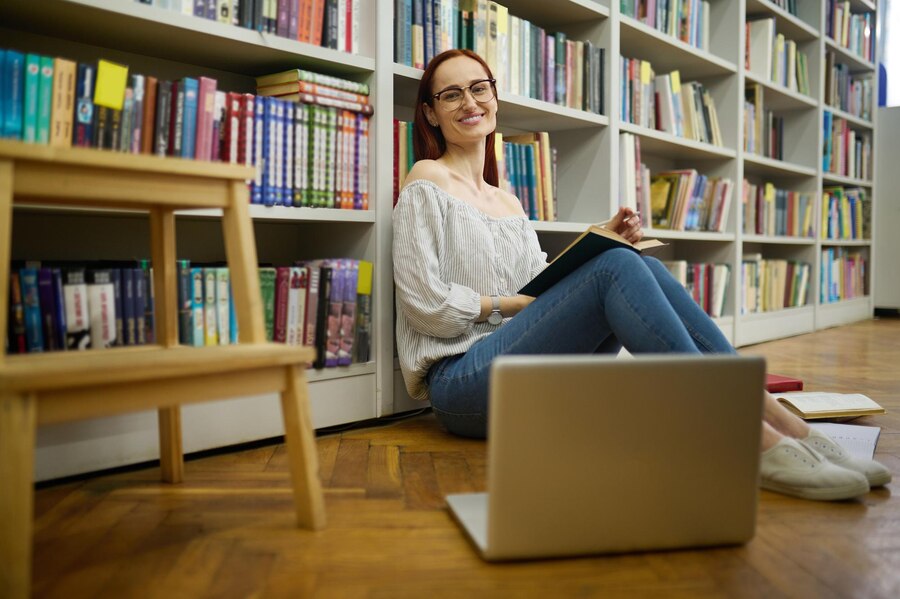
{"points": [[495, 317]]}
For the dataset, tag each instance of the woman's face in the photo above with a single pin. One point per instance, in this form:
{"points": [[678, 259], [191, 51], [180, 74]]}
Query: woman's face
{"points": [[471, 120]]}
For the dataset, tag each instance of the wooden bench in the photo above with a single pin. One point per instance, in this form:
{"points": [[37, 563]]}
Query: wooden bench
{"points": [[65, 386]]}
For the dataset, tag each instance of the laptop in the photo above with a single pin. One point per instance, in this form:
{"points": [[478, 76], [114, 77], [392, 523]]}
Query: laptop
{"points": [[593, 455]]}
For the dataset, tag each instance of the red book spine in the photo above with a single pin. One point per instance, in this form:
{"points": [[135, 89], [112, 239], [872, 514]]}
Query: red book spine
{"points": [[282, 288]]}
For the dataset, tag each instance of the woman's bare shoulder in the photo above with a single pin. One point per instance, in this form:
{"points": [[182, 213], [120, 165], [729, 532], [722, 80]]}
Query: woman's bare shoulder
{"points": [[428, 170]]}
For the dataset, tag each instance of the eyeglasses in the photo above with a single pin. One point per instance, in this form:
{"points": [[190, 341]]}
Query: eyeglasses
{"points": [[452, 97]]}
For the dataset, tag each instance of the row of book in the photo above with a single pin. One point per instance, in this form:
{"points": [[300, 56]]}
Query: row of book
{"points": [[328, 23], [768, 210], [526, 168], [763, 129], [686, 20], [664, 103], [309, 142], [325, 304], [526, 60], [77, 307], [788, 5], [847, 152], [707, 283], [856, 32], [772, 284], [843, 274], [772, 57], [678, 200], [846, 213], [850, 92]]}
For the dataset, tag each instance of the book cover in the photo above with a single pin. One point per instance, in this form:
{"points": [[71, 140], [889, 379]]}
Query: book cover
{"points": [[101, 308], [139, 306], [30, 108], [190, 85], [50, 326], [198, 324], [78, 332], [149, 312], [148, 118], [34, 334], [282, 303], [593, 242], [84, 106], [17, 341], [819, 406], [326, 272], [45, 100], [185, 302], [129, 321], [63, 103], [59, 303], [362, 342], [293, 329], [776, 383], [119, 297], [12, 94], [210, 312], [267, 290], [223, 303], [348, 313], [333, 318]]}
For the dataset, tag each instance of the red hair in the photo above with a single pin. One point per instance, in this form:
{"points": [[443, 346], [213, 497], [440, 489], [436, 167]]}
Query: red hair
{"points": [[428, 141]]}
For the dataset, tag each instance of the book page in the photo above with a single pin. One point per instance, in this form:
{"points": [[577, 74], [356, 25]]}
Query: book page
{"points": [[810, 402], [859, 441]]}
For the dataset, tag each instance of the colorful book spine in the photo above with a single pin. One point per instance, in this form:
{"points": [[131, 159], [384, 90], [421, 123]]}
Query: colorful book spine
{"points": [[34, 335]]}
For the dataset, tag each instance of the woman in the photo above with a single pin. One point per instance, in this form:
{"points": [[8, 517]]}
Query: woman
{"points": [[463, 247]]}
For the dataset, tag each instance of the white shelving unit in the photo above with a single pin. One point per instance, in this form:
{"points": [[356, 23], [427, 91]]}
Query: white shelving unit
{"points": [[170, 45]]}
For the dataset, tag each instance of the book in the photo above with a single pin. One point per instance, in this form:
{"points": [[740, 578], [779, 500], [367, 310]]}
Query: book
{"points": [[858, 440], [776, 383], [101, 308], [78, 327], [818, 405], [594, 241]]}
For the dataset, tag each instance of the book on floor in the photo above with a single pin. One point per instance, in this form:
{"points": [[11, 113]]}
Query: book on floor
{"points": [[593, 242], [778, 383], [817, 405]]}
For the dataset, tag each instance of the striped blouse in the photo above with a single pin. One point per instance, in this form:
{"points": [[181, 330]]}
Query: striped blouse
{"points": [[447, 254]]}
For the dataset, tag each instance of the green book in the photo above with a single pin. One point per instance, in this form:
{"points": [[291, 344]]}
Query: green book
{"points": [[45, 99], [267, 289], [32, 79], [589, 244]]}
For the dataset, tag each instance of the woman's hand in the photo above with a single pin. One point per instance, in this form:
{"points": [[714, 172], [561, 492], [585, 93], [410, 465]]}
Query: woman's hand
{"points": [[626, 223]]}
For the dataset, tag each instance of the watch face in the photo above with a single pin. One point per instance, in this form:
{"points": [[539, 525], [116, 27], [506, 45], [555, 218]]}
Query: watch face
{"points": [[495, 318]]}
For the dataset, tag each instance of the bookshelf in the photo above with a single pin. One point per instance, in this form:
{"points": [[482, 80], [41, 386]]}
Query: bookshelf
{"points": [[588, 172]]}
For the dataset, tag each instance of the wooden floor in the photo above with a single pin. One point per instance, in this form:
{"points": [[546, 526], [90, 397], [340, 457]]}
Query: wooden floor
{"points": [[229, 530]]}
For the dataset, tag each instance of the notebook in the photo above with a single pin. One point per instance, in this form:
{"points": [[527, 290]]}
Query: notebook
{"points": [[593, 454]]}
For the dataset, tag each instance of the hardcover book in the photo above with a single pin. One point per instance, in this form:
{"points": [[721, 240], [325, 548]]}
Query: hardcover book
{"points": [[593, 242], [817, 406], [78, 332], [101, 308]]}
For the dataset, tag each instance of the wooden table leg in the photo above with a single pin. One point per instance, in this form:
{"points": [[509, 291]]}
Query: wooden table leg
{"points": [[302, 454], [171, 454], [17, 436]]}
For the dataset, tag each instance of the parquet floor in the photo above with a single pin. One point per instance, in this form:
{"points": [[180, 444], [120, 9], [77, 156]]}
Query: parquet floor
{"points": [[228, 530]]}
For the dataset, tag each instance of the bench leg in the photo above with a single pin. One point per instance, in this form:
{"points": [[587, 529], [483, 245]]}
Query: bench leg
{"points": [[302, 453], [17, 436], [171, 456]]}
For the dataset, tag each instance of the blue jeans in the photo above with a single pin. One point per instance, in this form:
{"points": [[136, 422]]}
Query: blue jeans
{"points": [[617, 299]]}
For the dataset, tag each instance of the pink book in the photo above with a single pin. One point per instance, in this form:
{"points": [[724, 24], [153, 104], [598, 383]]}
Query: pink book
{"points": [[206, 101]]}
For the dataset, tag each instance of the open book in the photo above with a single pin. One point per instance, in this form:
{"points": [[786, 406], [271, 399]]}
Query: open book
{"points": [[814, 405], [592, 242]]}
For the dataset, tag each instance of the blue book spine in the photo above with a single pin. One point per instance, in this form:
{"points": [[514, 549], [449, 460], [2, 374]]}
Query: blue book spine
{"points": [[268, 166], [189, 122], [13, 74], [34, 338], [257, 154], [277, 149], [32, 79], [5, 81], [59, 304], [232, 318], [138, 306], [428, 18], [288, 161]]}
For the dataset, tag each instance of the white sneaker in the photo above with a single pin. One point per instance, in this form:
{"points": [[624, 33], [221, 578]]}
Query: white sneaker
{"points": [[792, 468], [875, 473]]}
